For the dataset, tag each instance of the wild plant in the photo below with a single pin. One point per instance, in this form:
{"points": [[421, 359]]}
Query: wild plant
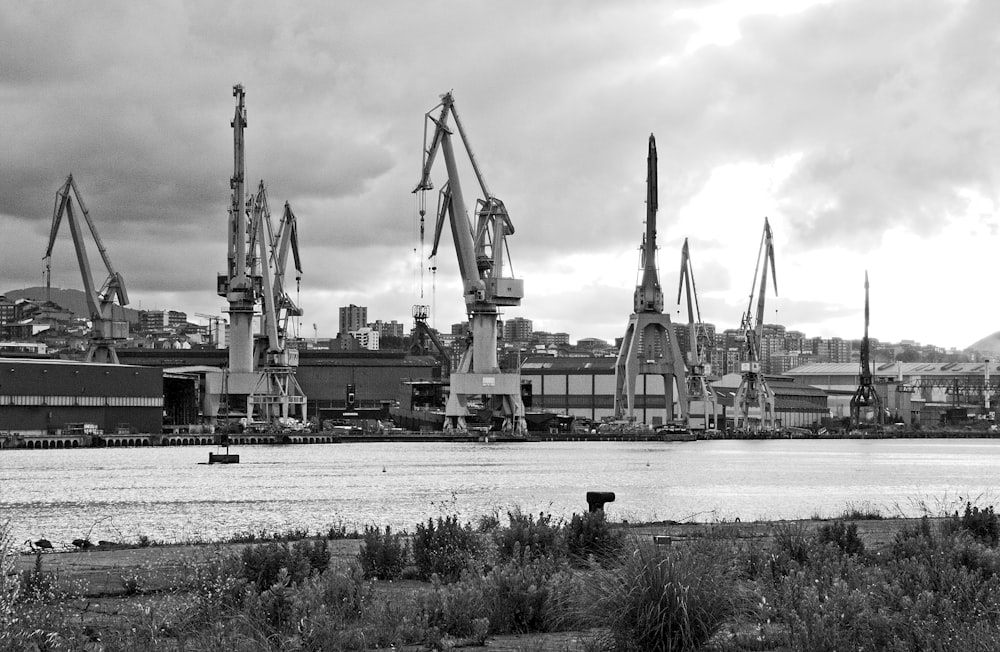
{"points": [[525, 535], [383, 555], [444, 548], [590, 535], [10, 584], [262, 564], [673, 599], [982, 524], [844, 537]]}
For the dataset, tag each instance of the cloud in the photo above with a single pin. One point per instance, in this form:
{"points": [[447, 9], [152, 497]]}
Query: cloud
{"points": [[842, 121]]}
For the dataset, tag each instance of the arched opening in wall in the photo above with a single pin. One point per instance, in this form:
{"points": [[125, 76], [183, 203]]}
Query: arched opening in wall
{"points": [[76, 444], [145, 442]]}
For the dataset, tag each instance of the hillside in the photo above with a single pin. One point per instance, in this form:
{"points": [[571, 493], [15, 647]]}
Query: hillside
{"points": [[73, 300], [990, 343]]}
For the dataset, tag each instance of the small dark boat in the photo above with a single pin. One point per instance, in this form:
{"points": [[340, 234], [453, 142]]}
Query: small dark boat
{"points": [[223, 458]]}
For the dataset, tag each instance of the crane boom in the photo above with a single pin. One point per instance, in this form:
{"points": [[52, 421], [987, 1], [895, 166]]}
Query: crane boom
{"points": [[107, 332]]}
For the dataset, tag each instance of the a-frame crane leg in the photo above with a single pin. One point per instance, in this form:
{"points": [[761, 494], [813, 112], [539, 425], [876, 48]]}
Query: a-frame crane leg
{"points": [[649, 348]]}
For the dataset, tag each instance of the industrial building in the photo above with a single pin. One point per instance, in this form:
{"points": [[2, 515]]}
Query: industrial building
{"points": [[585, 387], [64, 404], [925, 393], [323, 374]]}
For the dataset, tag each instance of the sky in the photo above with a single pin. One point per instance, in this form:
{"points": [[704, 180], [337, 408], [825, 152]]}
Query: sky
{"points": [[866, 132]]}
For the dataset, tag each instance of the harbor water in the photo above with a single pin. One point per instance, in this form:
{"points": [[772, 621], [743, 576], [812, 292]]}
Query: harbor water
{"points": [[169, 494]]}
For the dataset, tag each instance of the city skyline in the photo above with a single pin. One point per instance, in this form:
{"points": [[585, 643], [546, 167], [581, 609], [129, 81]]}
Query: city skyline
{"points": [[862, 131]]}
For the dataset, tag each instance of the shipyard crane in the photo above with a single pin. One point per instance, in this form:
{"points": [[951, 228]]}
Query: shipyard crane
{"points": [[107, 330], [239, 285], [649, 346], [260, 367], [754, 399], [480, 248], [701, 396], [277, 395], [866, 406]]}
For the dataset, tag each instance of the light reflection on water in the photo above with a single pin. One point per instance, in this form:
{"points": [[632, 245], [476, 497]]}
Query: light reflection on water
{"points": [[168, 494]]}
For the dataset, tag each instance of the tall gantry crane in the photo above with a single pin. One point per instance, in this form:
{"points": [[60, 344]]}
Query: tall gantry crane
{"points": [[239, 285], [754, 399], [649, 346], [480, 247], [866, 406], [260, 367], [701, 396], [277, 394], [107, 331]]}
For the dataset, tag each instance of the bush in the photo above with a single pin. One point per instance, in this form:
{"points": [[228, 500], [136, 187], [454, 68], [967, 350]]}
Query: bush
{"points": [[845, 537], [444, 549], [526, 536], [982, 524], [669, 600], [383, 555], [263, 564], [590, 534], [792, 541]]}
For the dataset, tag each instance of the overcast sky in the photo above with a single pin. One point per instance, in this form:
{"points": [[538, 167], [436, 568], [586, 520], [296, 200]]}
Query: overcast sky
{"points": [[867, 132]]}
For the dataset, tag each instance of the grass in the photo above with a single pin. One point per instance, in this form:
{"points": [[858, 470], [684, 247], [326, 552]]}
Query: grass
{"points": [[936, 585]]}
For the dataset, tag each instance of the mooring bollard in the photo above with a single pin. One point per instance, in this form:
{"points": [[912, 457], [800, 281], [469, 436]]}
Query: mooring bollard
{"points": [[596, 499]]}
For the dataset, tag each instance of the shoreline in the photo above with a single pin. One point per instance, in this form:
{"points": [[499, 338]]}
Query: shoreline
{"points": [[14, 441]]}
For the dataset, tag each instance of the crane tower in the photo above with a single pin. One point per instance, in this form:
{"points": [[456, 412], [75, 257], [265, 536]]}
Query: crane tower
{"points": [[702, 400], [649, 346], [239, 285], [480, 247], [866, 406], [754, 399]]}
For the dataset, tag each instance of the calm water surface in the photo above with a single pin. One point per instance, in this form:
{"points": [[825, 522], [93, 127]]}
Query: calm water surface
{"points": [[166, 494]]}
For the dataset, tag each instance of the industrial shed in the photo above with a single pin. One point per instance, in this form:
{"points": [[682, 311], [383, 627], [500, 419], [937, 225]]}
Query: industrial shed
{"points": [[585, 387], [46, 397]]}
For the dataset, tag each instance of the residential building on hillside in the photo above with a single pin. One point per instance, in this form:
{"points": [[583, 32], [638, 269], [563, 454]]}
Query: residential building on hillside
{"points": [[517, 329]]}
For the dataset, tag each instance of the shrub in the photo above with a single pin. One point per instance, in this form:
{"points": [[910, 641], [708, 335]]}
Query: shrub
{"points": [[792, 541], [982, 524], [383, 555], [590, 534], [262, 564], [527, 536], [845, 537], [443, 549], [669, 600]]}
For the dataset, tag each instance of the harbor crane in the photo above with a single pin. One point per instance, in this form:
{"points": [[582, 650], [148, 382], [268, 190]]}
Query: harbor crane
{"points": [[480, 248], [649, 346], [260, 367], [108, 330], [239, 285], [754, 399], [701, 396], [277, 395], [866, 406]]}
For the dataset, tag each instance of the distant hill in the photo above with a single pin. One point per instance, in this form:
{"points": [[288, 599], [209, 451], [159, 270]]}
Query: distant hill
{"points": [[73, 300], [990, 343]]}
